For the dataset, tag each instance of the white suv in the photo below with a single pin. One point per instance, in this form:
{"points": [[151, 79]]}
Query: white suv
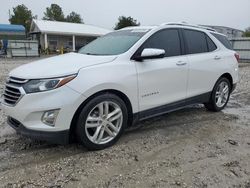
{"points": [[119, 79]]}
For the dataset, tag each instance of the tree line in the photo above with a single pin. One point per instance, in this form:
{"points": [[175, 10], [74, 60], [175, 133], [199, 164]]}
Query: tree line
{"points": [[23, 16], [247, 32]]}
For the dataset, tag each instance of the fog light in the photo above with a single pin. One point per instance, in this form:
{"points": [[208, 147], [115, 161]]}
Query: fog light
{"points": [[49, 117]]}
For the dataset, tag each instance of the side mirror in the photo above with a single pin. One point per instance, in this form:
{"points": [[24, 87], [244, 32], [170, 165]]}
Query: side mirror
{"points": [[151, 53]]}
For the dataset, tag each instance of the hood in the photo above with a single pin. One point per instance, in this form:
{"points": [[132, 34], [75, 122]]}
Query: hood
{"points": [[58, 66]]}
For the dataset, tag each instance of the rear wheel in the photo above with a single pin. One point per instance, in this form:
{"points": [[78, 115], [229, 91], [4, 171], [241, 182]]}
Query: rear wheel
{"points": [[101, 122], [220, 95]]}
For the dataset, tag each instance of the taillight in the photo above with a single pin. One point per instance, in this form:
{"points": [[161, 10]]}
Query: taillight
{"points": [[237, 56]]}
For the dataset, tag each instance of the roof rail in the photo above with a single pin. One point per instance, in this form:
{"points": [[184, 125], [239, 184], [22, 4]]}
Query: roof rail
{"points": [[190, 25]]}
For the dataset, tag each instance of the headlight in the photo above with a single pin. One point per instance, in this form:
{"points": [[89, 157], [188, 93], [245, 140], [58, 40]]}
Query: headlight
{"points": [[34, 86]]}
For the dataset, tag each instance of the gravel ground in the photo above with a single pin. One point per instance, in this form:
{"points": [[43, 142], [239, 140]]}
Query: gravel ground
{"points": [[188, 148]]}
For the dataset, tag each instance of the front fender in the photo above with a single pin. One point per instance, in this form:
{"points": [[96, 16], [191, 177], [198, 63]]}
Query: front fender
{"points": [[110, 76]]}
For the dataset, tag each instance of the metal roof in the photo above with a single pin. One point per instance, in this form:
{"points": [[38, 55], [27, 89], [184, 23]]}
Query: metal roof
{"points": [[65, 28], [11, 28], [189, 25], [219, 27]]}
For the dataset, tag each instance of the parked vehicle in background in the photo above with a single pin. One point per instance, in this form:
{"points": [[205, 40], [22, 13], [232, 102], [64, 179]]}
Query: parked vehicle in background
{"points": [[119, 79]]}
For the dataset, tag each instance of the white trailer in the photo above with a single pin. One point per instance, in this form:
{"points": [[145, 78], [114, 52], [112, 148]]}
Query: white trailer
{"points": [[22, 48]]}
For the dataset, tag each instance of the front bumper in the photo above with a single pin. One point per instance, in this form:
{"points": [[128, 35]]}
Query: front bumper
{"points": [[25, 116], [58, 137]]}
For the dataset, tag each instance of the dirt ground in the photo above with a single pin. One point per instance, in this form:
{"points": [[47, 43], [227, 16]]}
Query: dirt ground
{"points": [[188, 148]]}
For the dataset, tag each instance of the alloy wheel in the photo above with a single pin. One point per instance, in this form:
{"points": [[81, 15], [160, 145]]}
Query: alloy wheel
{"points": [[104, 122], [222, 94]]}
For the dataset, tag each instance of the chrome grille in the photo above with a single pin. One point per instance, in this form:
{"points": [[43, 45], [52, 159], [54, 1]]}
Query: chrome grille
{"points": [[15, 80], [12, 91], [11, 95]]}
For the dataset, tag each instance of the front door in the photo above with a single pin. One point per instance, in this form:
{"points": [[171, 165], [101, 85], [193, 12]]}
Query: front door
{"points": [[162, 81]]}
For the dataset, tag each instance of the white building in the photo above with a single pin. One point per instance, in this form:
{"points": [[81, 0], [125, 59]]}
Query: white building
{"points": [[55, 35]]}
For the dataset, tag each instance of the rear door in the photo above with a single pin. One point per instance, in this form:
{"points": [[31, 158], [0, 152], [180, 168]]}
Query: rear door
{"points": [[204, 60], [162, 81]]}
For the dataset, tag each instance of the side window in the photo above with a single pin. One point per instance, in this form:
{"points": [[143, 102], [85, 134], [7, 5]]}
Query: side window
{"points": [[166, 39], [210, 44], [223, 40], [196, 41]]}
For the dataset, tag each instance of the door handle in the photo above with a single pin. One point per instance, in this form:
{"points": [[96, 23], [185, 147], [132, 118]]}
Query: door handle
{"points": [[181, 63], [217, 57]]}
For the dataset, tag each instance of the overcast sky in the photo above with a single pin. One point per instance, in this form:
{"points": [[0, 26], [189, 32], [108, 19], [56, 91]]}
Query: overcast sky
{"points": [[104, 13]]}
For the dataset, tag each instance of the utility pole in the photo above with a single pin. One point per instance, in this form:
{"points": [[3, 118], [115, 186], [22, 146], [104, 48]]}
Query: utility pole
{"points": [[9, 15]]}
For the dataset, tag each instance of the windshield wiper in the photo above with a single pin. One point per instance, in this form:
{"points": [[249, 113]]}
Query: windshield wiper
{"points": [[95, 54], [91, 54]]}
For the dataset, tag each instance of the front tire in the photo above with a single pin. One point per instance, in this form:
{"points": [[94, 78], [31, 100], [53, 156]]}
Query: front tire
{"points": [[220, 95], [101, 122]]}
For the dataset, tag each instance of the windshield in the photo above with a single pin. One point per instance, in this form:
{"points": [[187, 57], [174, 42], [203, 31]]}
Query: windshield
{"points": [[113, 43]]}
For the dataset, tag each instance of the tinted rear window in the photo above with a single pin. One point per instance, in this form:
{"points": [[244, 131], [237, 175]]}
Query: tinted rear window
{"points": [[223, 40], [210, 44], [196, 41]]}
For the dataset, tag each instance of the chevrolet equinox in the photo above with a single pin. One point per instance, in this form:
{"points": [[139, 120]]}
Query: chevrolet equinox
{"points": [[118, 79]]}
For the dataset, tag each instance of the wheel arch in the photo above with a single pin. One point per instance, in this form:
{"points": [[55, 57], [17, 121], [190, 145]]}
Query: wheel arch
{"points": [[229, 77], [111, 91]]}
